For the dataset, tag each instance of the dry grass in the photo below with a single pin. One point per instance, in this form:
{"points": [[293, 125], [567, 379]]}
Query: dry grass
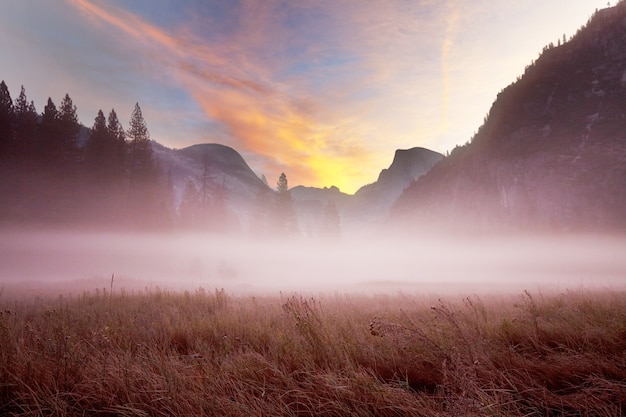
{"points": [[206, 353]]}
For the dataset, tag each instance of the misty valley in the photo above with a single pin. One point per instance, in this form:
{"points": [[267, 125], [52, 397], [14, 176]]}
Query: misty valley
{"points": [[138, 279], [37, 261]]}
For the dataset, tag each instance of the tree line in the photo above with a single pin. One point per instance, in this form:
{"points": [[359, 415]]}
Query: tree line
{"points": [[56, 171]]}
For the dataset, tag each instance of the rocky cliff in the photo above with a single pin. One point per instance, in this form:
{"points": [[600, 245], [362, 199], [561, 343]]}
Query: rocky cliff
{"points": [[552, 151]]}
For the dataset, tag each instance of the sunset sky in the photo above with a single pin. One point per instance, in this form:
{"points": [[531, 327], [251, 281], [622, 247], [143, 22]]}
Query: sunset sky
{"points": [[323, 90]]}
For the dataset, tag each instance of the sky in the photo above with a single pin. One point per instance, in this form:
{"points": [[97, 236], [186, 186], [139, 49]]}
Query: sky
{"points": [[322, 90]]}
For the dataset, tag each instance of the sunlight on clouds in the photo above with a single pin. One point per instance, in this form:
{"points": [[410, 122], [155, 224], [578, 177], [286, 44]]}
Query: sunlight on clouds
{"points": [[327, 90], [225, 80]]}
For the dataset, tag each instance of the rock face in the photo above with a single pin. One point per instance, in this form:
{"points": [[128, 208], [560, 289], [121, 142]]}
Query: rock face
{"points": [[551, 154], [224, 171], [226, 174], [370, 205], [311, 204], [373, 201]]}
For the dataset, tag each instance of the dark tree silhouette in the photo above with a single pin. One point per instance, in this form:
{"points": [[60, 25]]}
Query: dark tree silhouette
{"points": [[104, 151], [118, 135], [68, 122], [49, 133], [282, 186], [6, 120], [25, 125], [144, 191], [97, 153], [142, 167], [285, 215]]}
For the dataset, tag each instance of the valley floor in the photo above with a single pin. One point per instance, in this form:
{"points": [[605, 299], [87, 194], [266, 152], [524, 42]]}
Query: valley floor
{"points": [[155, 352]]}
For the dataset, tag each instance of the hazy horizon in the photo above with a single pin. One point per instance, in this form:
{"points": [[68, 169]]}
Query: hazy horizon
{"points": [[38, 262]]}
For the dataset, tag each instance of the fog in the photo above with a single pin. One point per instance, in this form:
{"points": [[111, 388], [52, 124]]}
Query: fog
{"points": [[37, 262]]}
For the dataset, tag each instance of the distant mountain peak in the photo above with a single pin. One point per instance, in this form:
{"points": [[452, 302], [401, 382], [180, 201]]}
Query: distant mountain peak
{"points": [[410, 163]]}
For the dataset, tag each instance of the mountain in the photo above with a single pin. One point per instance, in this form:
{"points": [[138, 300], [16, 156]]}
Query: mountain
{"points": [[551, 154], [373, 201], [310, 204], [228, 174], [222, 169]]}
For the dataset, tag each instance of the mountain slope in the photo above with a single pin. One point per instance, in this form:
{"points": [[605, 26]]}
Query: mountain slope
{"points": [[371, 203], [552, 152], [224, 170], [374, 200]]}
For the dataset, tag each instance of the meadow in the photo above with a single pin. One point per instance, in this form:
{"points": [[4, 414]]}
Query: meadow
{"points": [[152, 352]]}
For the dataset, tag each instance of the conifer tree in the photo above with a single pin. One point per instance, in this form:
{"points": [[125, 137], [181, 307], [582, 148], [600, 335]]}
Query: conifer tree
{"points": [[117, 133], [144, 189], [141, 162], [49, 147], [25, 125], [285, 216], [69, 130], [6, 120], [98, 152], [68, 123], [282, 186]]}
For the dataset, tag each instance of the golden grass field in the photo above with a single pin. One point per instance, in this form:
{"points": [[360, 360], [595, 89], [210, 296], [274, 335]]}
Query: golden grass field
{"points": [[155, 352]]}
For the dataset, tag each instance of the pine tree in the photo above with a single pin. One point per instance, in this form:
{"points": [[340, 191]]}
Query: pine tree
{"points": [[6, 120], [68, 122], [98, 151], [282, 186], [285, 215], [49, 142], [25, 125], [141, 161], [69, 129], [118, 135], [144, 189]]}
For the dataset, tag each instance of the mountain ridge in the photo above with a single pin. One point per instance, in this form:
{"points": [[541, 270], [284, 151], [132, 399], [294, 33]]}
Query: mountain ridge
{"points": [[551, 154]]}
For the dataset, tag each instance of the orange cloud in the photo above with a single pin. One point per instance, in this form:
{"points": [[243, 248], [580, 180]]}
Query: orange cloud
{"points": [[234, 87]]}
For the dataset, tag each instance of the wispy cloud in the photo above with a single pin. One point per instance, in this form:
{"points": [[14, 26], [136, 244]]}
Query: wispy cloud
{"points": [[326, 90], [235, 81]]}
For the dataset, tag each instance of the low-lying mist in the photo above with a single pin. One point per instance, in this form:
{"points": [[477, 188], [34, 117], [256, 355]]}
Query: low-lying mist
{"points": [[36, 262]]}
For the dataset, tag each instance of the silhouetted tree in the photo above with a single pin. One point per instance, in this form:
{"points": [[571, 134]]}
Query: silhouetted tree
{"points": [[141, 163], [25, 125], [118, 136], [49, 132], [282, 186], [58, 134], [68, 122], [143, 191], [6, 120], [97, 150], [285, 215]]}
